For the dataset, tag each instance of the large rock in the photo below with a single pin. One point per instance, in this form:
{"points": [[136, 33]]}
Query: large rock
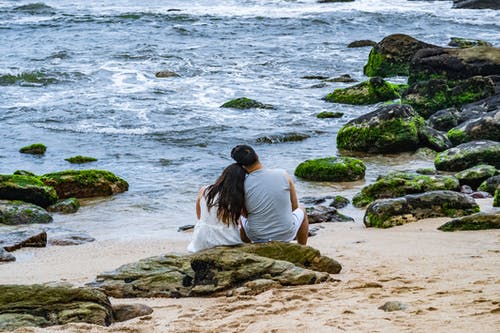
{"points": [[476, 4], [478, 221], [28, 189], [387, 213], [474, 176], [369, 92], [392, 55], [11, 241], [339, 169], [397, 184], [19, 212], [490, 185], [468, 155], [41, 305], [217, 270], [392, 128], [84, 183], [434, 139], [485, 127]]}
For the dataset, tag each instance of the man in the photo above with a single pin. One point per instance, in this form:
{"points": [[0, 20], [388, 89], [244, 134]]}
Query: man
{"points": [[272, 209]]}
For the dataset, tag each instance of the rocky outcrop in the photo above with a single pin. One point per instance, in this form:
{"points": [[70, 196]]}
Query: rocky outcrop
{"points": [[485, 127], [84, 183], [392, 128], [476, 4], [339, 169], [15, 240], [369, 92], [245, 103], [397, 184], [18, 212], [218, 270], [476, 175], [478, 221], [387, 213], [27, 189], [468, 155], [66, 206], [392, 55], [42, 306]]}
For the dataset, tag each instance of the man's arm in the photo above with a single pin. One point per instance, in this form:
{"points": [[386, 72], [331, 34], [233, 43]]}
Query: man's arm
{"points": [[198, 206], [293, 193]]}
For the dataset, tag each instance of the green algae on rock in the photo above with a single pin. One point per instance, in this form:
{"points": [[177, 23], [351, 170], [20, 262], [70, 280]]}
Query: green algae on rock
{"points": [[34, 149], [329, 114], [288, 137], [496, 198], [66, 206], [476, 175], [84, 183], [478, 221], [27, 78], [27, 188], [468, 155], [369, 92], [464, 43], [79, 159], [19, 212], [484, 127], [245, 103], [337, 169], [490, 185]]}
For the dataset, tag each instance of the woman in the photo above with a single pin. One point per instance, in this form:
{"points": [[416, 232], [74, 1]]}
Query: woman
{"points": [[218, 209]]}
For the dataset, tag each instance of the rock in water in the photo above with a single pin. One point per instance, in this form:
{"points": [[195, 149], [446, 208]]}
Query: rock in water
{"points": [[18, 212], [28, 189], [15, 240]]}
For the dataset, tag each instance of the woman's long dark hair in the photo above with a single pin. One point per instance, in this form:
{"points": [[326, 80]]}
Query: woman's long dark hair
{"points": [[228, 194]]}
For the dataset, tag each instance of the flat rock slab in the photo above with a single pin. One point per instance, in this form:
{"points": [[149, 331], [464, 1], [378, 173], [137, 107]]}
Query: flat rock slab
{"points": [[479, 221], [65, 239]]}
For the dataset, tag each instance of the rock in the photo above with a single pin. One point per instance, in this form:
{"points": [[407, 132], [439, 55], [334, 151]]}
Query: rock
{"points": [[466, 189], [124, 312], [369, 92], [42, 306], [426, 171], [345, 78], [79, 159], [389, 129], [314, 77], [468, 155], [485, 127], [387, 213], [433, 138], [337, 169], [165, 74], [478, 221], [476, 175], [289, 137], [218, 270], [444, 120], [339, 202], [392, 306], [245, 103], [362, 43], [34, 149], [15, 240], [397, 184], [84, 183], [481, 195], [322, 214], [66, 206], [310, 201], [392, 55], [6, 256], [24, 173], [490, 185], [476, 4], [186, 227], [19, 212], [330, 1], [329, 114], [28, 189], [65, 239], [466, 42], [496, 198]]}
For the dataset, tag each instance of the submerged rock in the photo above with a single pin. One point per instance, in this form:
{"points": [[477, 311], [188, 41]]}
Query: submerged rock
{"points": [[387, 213], [476, 175], [339, 202], [468, 155], [245, 103], [478, 221], [164, 74], [393, 306], [362, 43], [28, 189], [339, 169], [369, 92], [79, 159], [34, 149], [19, 212], [12, 241]]}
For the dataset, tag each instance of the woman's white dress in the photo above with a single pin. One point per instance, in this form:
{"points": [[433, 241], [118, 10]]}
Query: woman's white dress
{"points": [[209, 231]]}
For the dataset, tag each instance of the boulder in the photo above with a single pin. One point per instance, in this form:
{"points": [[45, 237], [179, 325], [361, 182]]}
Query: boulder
{"points": [[468, 155], [15, 240], [28, 189], [322, 214], [19, 212], [392, 55], [476, 175], [389, 129], [433, 139], [66, 206], [369, 92], [217, 271], [387, 213], [43, 305], [444, 120], [490, 185], [485, 127], [338, 169], [476, 4], [467, 42], [397, 184], [478, 221], [34, 149], [124, 312], [245, 103], [279, 138], [84, 183], [362, 43], [6, 256]]}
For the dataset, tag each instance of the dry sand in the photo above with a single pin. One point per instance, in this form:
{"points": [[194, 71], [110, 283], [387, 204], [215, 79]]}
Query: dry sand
{"points": [[449, 282]]}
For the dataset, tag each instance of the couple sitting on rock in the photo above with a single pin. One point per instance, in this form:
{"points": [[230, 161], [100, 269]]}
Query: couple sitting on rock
{"points": [[248, 203]]}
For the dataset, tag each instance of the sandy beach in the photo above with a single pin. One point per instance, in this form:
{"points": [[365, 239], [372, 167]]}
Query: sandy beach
{"points": [[447, 282]]}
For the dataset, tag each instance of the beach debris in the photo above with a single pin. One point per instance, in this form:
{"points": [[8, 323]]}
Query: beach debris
{"points": [[393, 306], [479, 221]]}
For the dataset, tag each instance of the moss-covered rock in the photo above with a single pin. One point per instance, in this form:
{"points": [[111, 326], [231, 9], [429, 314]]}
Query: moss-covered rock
{"points": [[490, 185], [444, 120], [41, 305], [329, 114], [337, 169], [279, 138], [478, 221], [34, 149], [84, 183], [391, 128], [468, 155], [485, 127], [26, 79], [339, 202], [66, 206], [369, 92], [79, 159], [433, 139], [392, 55], [387, 213], [217, 270], [476, 175], [362, 43], [496, 198], [24, 173], [464, 43], [245, 103], [19, 212], [27, 188], [397, 184]]}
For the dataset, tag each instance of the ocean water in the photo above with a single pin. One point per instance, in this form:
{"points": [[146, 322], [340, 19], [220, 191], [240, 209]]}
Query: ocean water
{"points": [[96, 93]]}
